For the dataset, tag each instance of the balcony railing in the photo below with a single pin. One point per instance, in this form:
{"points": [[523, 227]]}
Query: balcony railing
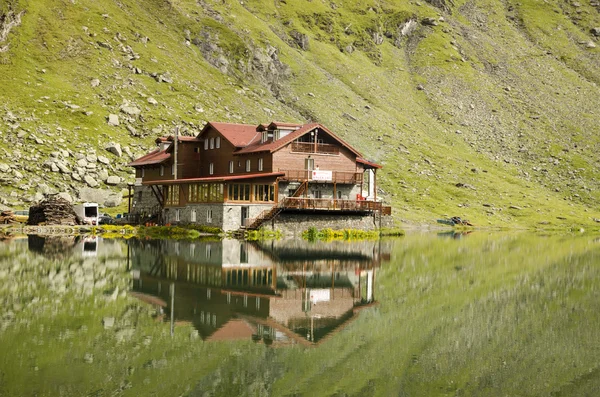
{"points": [[308, 147], [330, 204], [336, 176]]}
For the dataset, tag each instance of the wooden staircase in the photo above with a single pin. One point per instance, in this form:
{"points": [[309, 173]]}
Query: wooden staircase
{"points": [[271, 213], [301, 189], [264, 216]]}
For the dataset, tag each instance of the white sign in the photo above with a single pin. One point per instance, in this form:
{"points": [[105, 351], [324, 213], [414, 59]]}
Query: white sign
{"points": [[319, 295], [322, 175], [138, 181]]}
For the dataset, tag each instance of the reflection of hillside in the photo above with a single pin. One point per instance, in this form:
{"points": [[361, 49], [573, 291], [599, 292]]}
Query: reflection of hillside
{"points": [[250, 293]]}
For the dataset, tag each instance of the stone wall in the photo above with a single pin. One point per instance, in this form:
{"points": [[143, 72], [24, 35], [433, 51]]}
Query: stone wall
{"points": [[296, 223], [143, 201], [224, 216]]}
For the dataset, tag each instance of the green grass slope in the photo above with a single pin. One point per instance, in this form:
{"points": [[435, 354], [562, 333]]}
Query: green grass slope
{"points": [[487, 110]]}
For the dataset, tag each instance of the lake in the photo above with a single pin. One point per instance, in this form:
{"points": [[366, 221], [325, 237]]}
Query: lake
{"points": [[427, 314]]}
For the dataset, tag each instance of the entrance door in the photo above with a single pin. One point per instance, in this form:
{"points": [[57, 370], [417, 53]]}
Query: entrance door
{"points": [[309, 165], [244, 215]]}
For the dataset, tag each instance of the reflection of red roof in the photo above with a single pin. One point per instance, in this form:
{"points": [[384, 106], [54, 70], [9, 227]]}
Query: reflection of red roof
{"points": [[368, 163], [273, 146], [216, 178], [155, 157], [239, 135]]}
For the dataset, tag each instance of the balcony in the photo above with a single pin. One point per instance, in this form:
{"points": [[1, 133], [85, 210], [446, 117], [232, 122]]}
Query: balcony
{"points": [[310, 147], [343, 177], [332, 204]]}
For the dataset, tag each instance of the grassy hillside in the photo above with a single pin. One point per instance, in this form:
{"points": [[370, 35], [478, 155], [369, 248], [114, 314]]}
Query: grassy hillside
{"points": [[487, 110]]}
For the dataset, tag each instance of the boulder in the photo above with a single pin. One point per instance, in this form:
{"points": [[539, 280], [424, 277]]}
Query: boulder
{"points": [[114, 148], [90, 181], [102, 175], [99, 196], [4, 167], [130, 110], [113, 180], [113, 119], [152, 101], [103, 160], [114, 200]]}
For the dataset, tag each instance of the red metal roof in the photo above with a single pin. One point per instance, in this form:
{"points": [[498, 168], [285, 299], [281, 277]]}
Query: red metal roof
{"points": [[368, 163], [239, 135], [273, 146], [216, 178], [277, 124], [155, 157]]}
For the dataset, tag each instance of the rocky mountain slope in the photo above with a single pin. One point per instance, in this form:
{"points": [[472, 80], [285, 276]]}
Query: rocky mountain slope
{"points": [[488, 110]]}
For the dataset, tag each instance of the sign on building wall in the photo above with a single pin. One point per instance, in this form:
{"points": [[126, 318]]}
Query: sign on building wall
{"points": [[319, 295], [318, 175]]}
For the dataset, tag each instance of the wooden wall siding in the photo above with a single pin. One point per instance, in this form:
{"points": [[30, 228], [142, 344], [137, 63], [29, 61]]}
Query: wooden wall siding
{"points": [[286, 159], [152, 172], [188, 160], [219, 157]]}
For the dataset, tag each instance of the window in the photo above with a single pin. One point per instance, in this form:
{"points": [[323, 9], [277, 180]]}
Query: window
{"points": [[162, 170], [177, 216], [276, 135], [264, 193], [205, 192], [196, 150], [193, 216], [143, 172], [260, 164], [239, 192], [211, 168], [208, 250], [264, 137], [231, 167], [209, 217], [205, 144], [218, 142], [339, 194], [309, 164], [172, 195], [173, 169], [248, 165], [212, 143]]}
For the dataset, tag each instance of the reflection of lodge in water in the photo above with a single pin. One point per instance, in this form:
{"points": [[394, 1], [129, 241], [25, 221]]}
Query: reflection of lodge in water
{"points": [[283, 292]]}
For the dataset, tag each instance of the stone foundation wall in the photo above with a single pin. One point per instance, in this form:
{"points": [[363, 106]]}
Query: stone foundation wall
{"points": [[295, 224], [224, 216], [143, 201]]}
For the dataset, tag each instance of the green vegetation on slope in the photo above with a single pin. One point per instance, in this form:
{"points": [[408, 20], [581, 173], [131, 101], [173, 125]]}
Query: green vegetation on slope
{"points": [[486, 110]]}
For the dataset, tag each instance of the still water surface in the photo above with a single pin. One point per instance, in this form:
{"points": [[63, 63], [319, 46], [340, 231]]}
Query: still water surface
{"points": [[426, 314]]}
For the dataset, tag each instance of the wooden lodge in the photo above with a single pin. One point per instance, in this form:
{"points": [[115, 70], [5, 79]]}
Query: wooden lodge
{"points": [[236, 176]]}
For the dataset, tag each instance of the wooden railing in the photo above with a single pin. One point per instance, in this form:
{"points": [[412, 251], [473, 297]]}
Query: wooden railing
{"points": [[308, 147], [315, 204], [336, 176], [330, 204]]}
